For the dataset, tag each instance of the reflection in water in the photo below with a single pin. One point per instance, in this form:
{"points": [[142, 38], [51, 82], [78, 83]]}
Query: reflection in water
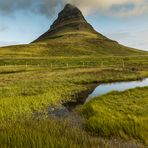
{"points": [[117, 86]]}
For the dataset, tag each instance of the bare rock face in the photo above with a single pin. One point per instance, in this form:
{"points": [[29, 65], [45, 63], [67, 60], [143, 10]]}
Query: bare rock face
{"points": [[69, 14], [70, 18]]}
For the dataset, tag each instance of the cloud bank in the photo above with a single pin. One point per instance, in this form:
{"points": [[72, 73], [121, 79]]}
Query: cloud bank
{"points": [[114, 7], [137, 39], [44, 7], [122, 8]]}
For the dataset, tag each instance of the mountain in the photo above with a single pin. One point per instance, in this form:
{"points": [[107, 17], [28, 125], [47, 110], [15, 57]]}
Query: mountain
{"points": [[69, 19], [70, 35]]}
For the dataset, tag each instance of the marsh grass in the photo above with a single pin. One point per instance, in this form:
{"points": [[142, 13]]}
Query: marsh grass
{"points": [[53, 133], [119, 114], [49, 133], [25, 90]]}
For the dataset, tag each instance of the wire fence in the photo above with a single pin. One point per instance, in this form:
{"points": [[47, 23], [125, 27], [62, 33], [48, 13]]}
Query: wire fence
{"points": [[116, 62]]}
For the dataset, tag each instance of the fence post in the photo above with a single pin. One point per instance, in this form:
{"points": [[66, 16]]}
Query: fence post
{"points": [[123, 64], [83, 64], [102, 64]]}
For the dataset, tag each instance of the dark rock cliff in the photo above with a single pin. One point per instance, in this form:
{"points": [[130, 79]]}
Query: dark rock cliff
{"points": [[69, 19]]}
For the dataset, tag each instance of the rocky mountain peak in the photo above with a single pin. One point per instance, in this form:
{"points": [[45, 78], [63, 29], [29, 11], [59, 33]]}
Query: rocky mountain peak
{"points": [[69, 14], [70, 19]]}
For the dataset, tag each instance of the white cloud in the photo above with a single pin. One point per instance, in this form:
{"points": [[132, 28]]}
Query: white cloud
{"points": [[113, 7], [49, 7], [136, 39]]}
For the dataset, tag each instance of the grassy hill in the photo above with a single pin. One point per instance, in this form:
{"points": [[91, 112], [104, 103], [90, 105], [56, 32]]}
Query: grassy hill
{"points": [[71, 44]]}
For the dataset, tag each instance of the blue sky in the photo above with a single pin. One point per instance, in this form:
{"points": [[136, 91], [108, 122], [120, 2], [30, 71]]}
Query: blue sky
{"points": [[21, 23]]}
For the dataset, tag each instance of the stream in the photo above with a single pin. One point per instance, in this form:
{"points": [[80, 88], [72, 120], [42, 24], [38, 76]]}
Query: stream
{"points": [[116, 86], [67, 109]]}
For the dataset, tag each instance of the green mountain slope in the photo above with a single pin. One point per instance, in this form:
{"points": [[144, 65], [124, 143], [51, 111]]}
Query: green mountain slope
{"points": [[70, 35]]}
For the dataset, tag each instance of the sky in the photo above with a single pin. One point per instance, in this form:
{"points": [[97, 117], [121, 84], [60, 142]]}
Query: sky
{"points": [[125, 21]]}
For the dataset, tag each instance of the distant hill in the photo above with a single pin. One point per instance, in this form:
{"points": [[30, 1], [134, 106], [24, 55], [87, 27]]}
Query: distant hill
{"points": [[70, 35]]}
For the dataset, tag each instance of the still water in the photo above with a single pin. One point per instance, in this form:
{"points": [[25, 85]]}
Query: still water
{"points": [[116, 86]]}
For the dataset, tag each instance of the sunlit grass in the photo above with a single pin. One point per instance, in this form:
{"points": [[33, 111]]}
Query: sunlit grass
{"points": [[71, 44], [26, 92], [119, 114], [49, 133], [31, 85]]}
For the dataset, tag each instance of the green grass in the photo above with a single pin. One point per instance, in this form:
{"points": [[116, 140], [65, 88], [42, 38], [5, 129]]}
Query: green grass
{"points": [[53, 133], [31, 85], [27, 89], [119, 114], [69, 45], [49, 133]]}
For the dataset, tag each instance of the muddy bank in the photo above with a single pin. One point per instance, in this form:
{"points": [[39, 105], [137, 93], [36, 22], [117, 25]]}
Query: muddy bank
{"points": [[67, 109], [80, 97]]}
